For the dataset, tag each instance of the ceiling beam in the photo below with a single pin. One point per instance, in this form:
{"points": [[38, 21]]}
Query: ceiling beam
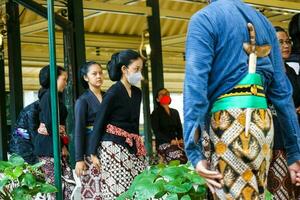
{"points": [[173, 40], [276, 4]]}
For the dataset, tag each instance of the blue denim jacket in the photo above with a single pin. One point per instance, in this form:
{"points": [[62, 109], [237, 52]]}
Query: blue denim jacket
{"points": [[216, 62]]}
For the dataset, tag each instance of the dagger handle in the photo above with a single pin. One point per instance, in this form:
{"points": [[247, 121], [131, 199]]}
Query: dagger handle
{"points": [[252, 63]]}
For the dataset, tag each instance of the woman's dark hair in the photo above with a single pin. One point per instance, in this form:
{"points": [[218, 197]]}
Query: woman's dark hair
{"points": [[119, 59], [280, 29], [44, 75], [84, 70], [294, 31], [44, 78], [157, 93]]}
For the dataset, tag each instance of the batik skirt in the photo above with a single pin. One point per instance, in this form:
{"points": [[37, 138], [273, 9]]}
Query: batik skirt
{"points": [[241, 134], [243, 159], [279, 179], [90, 182], [118, 169], [168, 152], [68, 183]]}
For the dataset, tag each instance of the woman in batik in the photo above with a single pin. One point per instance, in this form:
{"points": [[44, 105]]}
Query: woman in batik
{"points": [[121, 155], [279, 180], [87, 105], [43, 141], [167, 129]]}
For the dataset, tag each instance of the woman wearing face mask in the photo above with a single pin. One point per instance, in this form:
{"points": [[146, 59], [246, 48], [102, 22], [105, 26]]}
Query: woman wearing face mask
{"points": [[116, 127], [87, 105], [43, 141], [167, 128]]}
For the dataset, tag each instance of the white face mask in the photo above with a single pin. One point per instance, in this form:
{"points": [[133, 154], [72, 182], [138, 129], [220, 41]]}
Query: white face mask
{"points": [[134, 78]]}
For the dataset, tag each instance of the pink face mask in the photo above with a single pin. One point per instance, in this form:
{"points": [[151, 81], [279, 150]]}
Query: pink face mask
{"points": [[165, 100]]}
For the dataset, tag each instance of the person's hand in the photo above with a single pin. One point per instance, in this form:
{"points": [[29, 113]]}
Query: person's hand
{"points": [[64, 151], [298, 110], [80, 168], [295, 172], [213, 178], [96, 162]]}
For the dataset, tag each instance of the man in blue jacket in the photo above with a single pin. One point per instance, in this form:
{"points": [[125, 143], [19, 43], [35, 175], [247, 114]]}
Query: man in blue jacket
{"points": [[218, 93]]}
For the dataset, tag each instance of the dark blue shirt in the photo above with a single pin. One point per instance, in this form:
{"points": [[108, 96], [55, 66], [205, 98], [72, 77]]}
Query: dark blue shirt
{"points": [[120, 110], [216, 62], [86, 107]]}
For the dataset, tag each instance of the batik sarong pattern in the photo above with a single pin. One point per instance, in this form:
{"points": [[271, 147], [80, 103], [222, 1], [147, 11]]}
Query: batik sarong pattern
{"points": [[243, 159]]}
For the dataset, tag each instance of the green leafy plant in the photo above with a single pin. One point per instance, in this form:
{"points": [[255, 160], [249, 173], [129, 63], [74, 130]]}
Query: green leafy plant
{"points": [[269, 195], [19, 180], [171, 182]]}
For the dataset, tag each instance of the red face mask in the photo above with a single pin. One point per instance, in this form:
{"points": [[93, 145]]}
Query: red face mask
{"points": [[165, 100]]}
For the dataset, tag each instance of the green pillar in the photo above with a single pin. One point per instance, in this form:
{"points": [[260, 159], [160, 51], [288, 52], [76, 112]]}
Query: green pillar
{"points": [[54, 99]]}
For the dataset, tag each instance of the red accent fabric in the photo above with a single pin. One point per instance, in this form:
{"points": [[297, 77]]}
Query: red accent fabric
{"points": [[64, 139], [165, 100], [141, 151]]}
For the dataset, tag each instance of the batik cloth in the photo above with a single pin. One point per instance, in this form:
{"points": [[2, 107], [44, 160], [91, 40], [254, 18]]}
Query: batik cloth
{"points": [[118, 169]]}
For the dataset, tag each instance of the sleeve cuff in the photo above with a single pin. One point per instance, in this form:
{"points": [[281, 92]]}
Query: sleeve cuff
{"points": [[195, 156], [292, 158]]}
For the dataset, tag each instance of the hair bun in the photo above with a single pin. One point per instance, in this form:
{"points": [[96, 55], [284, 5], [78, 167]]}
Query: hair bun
{"points": [[114, 67]]}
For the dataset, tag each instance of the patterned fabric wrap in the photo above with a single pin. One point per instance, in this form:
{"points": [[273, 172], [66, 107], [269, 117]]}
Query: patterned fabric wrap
{"points": [[62, 132], [118, 169], [279, 180], [169, 152], [130, 137], [68, 183], [90, 182], [242, 159], [23, 133]]}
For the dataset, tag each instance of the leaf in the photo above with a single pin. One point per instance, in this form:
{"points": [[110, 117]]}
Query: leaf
{"points": [[47, 188], [201, 189], [37, 165], [145, 178], [172, 197], [13, 173], [124, 196], [147, 191], [16, 160], [3, 182], [174, 163], [21, 193], [177, 187], [160, 194], [195, 178], [186, 197], [18, 171], [173, 172], [4, 165], [269, 195], [29, 180]]}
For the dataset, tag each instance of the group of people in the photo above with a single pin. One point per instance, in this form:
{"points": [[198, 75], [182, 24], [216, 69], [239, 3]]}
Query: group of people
{"points": [[241, 111], [109, 151]]}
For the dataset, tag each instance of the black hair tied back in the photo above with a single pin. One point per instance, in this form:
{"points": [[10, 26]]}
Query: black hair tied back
{"points": [[122, 58]]}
